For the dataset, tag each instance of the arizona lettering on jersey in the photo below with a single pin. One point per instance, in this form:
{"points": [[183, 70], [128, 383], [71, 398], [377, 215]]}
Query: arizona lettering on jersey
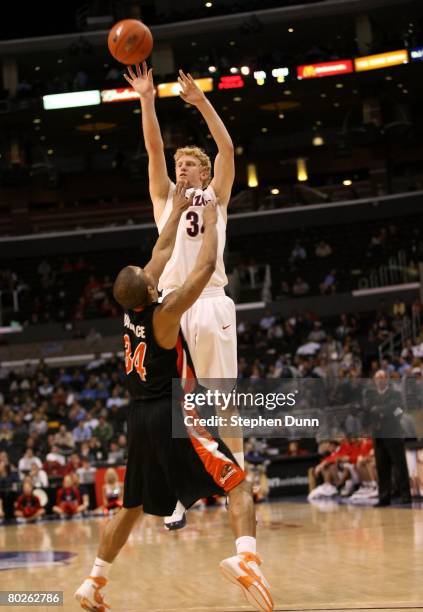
{"points": [[188, 241]]}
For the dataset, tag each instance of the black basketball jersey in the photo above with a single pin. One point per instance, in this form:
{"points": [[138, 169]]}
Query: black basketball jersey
{"points": [[149, 367]]}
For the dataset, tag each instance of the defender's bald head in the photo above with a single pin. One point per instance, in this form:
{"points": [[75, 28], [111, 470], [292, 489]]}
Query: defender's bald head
{"points": [[130, 288]]}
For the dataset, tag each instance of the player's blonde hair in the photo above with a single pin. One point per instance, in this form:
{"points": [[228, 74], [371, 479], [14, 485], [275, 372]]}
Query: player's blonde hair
{"points": [[200, 154]]}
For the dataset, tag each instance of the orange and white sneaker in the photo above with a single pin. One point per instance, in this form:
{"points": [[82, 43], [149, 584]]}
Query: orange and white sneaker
{"points": [[244, 571], [89, 595]]}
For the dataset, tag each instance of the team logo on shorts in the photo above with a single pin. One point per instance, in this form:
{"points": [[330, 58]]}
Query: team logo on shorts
{"points": [[227, 471]]}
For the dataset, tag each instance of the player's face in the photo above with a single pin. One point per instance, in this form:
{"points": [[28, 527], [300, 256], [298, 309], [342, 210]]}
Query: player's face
{"points": [[188, 169], [151, 288]]}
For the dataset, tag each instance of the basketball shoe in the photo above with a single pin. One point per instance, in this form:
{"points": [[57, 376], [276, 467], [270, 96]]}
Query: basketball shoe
{"points": [[244, 571], [89, 595], [177, 520]]}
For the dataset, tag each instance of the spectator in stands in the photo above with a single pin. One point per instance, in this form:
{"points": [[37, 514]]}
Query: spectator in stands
{"points": [[116, 399], [38, 425], [6, 434], [97, 449], [27, 507], [300, 287], [298, 253], [86, 473], [55, 456], [38, 477], [46, 389], [123, 443], [68, 499], [103, 431], [73, 464], [27, 461], [318, 334], [329, 283], [284, 290], [268, 320], [399, 308], [82, 432], [20, 433], [7, 476], [64, 439], [323, 249], [115, 455], [412, 272]]}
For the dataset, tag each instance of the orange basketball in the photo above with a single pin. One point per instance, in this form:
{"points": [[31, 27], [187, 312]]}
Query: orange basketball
{"points": [[130, 41]]}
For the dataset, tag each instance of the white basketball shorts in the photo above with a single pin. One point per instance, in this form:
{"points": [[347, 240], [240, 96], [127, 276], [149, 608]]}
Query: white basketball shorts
{"points": [[209, 328]]}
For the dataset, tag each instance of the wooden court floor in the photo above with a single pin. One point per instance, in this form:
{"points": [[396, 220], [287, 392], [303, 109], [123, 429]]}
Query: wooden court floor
{"points": [[331, 558]]}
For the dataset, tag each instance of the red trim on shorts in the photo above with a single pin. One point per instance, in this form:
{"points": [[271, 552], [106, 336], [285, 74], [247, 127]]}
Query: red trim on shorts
{"points": [[225, 472]]}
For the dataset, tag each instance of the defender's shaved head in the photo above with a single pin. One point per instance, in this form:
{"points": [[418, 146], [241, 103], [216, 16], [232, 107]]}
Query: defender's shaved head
{"points": [[130, 289]]}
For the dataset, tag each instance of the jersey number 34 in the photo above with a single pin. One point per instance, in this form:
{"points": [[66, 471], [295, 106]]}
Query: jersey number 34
{"points": [[137, 359]]}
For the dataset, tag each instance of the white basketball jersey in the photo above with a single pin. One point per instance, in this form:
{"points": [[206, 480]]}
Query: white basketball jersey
{"points": [[189, 239]]}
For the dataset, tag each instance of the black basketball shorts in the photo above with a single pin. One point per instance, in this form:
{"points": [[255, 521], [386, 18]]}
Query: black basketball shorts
{"points": [[162, 470]]}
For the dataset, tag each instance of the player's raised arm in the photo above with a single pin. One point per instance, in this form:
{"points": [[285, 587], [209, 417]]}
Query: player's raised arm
{"points": [[224, 165], [167, 316], [143, 83], [163, 248]]}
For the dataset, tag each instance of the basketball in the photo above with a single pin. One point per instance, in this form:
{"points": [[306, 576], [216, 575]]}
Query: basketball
{"points": [[130, 41]]}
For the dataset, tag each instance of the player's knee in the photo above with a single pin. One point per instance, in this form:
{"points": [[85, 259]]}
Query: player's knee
{"points": [[244, 488], [132, 513]]}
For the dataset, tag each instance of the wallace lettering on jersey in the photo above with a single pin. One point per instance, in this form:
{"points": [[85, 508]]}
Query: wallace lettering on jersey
{"points": [[149, 367]]}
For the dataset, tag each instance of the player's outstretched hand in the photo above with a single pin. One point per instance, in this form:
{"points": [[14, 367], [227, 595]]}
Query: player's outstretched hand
{"points": [[190, 92], [180, 201], [142, 81], [210, 213]]}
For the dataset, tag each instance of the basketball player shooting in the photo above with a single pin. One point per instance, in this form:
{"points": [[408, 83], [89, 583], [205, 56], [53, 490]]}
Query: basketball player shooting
{"points": [[160, 468], [209, 326]]}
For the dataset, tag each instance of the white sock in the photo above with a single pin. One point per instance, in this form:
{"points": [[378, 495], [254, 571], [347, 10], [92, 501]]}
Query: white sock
{"points": [[180, 508], [246, 544], [240, 460], [100, 568]]}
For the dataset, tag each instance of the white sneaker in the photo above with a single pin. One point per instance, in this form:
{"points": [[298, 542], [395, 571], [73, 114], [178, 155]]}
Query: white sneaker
{"points": [[177, 520], [89, 595], [348, 488], [244, 571], [324, 490]]}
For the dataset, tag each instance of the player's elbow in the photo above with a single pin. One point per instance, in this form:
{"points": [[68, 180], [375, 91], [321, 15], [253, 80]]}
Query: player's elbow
{"points": [[228, 149], [210, 267]]}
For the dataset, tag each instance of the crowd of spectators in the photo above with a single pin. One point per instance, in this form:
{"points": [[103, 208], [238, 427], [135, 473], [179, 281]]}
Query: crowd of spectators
{"points": [[75, 288], [325, 262]]}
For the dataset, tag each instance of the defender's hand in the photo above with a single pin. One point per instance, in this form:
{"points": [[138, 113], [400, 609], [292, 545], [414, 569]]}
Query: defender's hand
{"points": [[180, 201], [210, 214], [142, 81], [190, 92]]}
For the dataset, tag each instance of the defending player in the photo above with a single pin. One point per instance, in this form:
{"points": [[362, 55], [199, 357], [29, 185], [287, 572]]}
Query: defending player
{"points": [[210, 325], [161, 468]]}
